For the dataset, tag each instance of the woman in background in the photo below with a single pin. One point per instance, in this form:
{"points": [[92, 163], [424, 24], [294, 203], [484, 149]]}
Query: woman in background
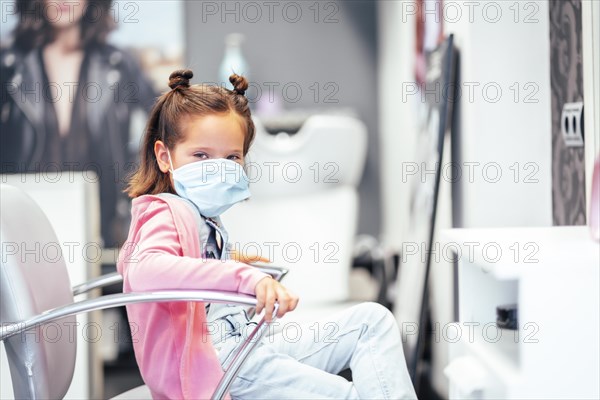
{"points": [[68, 98]]}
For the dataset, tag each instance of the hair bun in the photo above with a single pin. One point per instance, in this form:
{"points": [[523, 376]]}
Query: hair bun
{"points": [[240, 84], [181, 77]]}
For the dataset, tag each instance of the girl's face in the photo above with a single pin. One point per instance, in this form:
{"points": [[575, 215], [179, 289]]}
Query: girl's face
{"points": [[64, 14], [205, 137]]}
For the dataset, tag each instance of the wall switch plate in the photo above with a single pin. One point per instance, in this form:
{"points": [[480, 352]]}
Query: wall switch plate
{"points": [[571, 122]]}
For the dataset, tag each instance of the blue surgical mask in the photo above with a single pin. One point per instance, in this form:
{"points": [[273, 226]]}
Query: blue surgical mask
{"points": [[212, 185]]}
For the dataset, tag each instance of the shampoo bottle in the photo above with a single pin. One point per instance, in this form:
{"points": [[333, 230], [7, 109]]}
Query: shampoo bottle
{"points": [[233, 60]]}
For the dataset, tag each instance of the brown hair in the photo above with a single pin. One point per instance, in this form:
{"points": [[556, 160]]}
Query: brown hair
{"points": [[163, 124], [34, 30]]}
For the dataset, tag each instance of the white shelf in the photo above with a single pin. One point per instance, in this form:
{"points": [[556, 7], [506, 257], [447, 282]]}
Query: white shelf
{"points": [[503, 355], [553, 275], [524, 249]]}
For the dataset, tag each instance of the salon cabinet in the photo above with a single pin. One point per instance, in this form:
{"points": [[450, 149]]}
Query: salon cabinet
{"points": [[551, 275]]}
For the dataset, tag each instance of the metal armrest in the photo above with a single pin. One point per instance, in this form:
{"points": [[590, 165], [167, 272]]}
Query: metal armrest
{"points": [[121, 299], [110, 279], [101, 281], [278, 273], [117, 300]]}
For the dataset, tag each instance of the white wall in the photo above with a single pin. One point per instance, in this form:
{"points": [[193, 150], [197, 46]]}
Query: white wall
{"points": [[514, 129], [507, 55], [507, 135], [397, 120], [398, 130]]}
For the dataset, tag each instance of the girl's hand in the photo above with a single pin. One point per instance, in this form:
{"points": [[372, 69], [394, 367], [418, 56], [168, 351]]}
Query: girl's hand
{"points": [[268, 291], [246, 259]]}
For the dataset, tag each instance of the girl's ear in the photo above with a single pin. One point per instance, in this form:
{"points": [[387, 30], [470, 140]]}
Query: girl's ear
{"points": [[162, 156]]}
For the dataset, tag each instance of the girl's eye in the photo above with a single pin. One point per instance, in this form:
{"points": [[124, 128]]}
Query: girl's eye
{"points": [[233, 157], [202, 156]]}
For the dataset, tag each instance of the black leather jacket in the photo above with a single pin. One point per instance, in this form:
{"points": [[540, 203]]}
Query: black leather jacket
{"points": [[123, 89]]}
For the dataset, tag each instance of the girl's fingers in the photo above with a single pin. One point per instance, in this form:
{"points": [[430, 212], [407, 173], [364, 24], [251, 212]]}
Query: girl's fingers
{"points": [[283, 299], [270, 303], [293, 303], [287, 302], [270, 291], [247, 259], [260, 304]]}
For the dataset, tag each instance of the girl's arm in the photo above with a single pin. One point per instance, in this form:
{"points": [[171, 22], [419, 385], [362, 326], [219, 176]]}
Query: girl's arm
{"points": [[154, 260]]}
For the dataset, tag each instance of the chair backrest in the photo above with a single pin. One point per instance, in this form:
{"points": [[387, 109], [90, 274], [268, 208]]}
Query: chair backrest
{"points": [[326, 152], [303, 213], [33, 279]]}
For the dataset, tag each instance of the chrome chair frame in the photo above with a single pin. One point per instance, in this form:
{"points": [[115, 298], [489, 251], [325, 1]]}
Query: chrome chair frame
{"points": [[26, 304], [122, 299]]}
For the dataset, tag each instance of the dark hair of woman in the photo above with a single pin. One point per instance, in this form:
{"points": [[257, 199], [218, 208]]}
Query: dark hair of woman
{"points": [[34, 29]]}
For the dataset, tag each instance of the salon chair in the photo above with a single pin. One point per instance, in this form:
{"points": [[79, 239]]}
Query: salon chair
{"points": [[35, 294], [303, 212]]}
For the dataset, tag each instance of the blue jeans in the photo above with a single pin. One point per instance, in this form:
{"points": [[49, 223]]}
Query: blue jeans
{"points": [[302, 362]]}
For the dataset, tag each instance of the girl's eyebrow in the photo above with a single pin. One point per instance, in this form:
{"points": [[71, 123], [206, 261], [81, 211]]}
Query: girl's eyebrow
{"points": [[201, 148], [208, 149]]}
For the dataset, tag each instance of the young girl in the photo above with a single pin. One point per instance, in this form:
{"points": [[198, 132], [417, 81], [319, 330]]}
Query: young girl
{"points": [[191, 171]]}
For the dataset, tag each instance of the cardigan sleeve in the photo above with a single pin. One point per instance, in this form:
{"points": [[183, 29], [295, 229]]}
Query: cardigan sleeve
{"points": [[155, 260]]}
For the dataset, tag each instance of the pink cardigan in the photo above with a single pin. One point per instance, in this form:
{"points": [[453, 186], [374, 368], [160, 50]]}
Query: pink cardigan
{"points": [[171, 341]]}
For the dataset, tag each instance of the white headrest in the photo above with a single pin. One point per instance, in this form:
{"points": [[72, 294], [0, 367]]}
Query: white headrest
{"points": [[326, 151]]}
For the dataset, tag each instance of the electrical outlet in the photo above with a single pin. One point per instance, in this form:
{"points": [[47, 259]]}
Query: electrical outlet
{"points": [[571, 121]]}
